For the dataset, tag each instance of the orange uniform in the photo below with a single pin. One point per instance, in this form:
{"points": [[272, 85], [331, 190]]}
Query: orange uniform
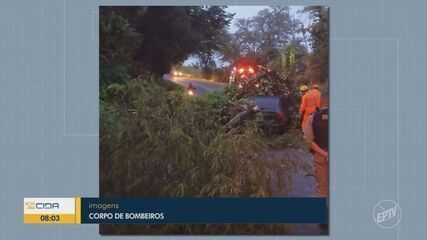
{"points": [[321, 173], [309, 103], [317, 132]]}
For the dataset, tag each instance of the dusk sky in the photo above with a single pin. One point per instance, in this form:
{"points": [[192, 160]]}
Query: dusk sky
{"points": [[251, 11]]}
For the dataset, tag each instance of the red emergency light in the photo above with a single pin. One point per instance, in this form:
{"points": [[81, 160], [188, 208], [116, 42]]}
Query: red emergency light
{"points": [[245, 70]]}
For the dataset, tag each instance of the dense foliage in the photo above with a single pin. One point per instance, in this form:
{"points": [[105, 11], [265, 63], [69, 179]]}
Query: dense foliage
{"points": [[155, 38], [319, 31], [157, 141], [117, 44], [176, 145]]}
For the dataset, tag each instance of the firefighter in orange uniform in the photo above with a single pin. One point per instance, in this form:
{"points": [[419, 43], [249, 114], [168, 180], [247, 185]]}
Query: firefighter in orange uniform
{"points": [[309, 103]]}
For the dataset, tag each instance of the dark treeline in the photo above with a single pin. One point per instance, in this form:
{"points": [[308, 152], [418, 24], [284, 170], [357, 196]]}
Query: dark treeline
{"points": [[150, 40], [136, 40]]}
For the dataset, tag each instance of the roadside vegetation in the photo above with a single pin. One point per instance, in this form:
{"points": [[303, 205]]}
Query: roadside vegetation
{"points": [[156, 141]]}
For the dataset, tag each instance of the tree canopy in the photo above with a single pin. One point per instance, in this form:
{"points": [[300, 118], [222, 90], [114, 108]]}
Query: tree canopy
{"points": [[319, 31], [150, 40], [155, 38]]}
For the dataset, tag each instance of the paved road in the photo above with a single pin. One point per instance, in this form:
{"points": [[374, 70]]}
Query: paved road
{"points": [[203, 86], [303, 183]]}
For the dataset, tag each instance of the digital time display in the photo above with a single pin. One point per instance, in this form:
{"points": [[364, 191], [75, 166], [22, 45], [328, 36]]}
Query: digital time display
{"points": [[50, 218]]}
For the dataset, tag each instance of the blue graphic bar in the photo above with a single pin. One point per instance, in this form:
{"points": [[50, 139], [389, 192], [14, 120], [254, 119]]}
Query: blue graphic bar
{"points": [[203, 210]]}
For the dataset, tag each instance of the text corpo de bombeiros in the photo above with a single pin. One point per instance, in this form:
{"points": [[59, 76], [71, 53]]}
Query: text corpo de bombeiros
{"points": [[126, 216]]}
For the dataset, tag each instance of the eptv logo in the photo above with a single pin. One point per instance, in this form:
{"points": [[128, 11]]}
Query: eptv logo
{"points": [[387, 214]]}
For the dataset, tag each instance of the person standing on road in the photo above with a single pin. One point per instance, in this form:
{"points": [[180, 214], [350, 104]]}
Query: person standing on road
{"points": [[317, 136], [303, 90], [317, 93], [309, 103]]}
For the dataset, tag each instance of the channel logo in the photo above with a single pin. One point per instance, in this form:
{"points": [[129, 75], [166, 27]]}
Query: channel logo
{"points": [[51, 210], [49, 205], [41, 205], [387, 214]]}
